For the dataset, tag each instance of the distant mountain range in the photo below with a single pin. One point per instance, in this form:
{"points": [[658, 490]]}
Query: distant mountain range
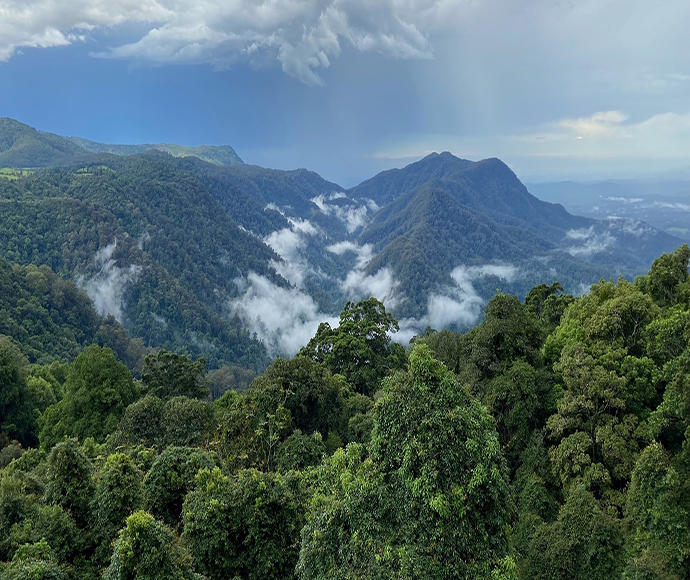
{"points": [[194, 251], [23, 146], [665, 204]]}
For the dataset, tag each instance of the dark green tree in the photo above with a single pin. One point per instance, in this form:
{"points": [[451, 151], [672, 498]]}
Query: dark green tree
{"points": [[70, 481], [17, 420], [170, 478], [34, 562], [431, 502], [119, 492], [247, 526], [360, 348], [141, 424], [584, 543], [147, 549], [168, 375], [98, 389]]}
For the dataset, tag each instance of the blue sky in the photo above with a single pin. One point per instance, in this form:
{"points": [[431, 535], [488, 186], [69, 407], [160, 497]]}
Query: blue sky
{"points": [[559, 90]]}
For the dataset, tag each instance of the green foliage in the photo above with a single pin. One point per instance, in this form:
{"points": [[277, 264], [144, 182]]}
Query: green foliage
{"points": [[34, 562], [247, 526], [17, 419], [51, 319], [667, 276], [659, 513], [300, 451], [23, 146], [90, 224], [554, 444], [147, 549], [434, 487], [359, 348], [509, 332], [168, 375], [315, 399], [119, 492], [70, 481], [582, 544], [141, 424], [170, 478], [98, 389], [229, 378], [187, 422]]}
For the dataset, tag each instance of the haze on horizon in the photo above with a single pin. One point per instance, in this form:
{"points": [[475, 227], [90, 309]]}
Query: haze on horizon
{"points": [[588, 90]]}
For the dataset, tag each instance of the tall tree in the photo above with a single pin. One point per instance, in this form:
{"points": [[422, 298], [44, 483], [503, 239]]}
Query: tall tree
{"points": [[360, 348], [431, 502], [98, 389]]}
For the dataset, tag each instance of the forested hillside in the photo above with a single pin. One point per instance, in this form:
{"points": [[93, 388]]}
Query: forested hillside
{"points": [[239, 264], [149, 243], [549, 442]]}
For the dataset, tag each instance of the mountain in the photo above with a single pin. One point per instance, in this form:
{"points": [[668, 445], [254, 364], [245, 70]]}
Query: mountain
{"points": [[465, 225], [239, 263], [218, 155], [148, 242], [24, 146], [51, 319], [664, 204]]}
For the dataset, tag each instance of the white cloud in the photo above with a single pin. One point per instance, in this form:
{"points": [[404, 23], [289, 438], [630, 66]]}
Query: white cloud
{"points": [[364, 253], [106, 289], [591, 241], [284, 319], [680, 206], [302, 35], [381, 285], [354, 215], [289, 244], [52, 23], [626, 199], [632, 227], [460, 304]]}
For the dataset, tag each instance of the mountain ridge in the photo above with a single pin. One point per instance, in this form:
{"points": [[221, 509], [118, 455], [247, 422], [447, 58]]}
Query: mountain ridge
{"points": [[239, 263]]}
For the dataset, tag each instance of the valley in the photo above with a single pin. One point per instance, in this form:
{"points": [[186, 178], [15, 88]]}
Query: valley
{"points": [[239, 264]]}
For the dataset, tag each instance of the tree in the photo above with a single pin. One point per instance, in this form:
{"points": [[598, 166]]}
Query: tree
{"points": [[147, 549], [69, 481], [17, 420], [119, 493], [582, 544], [658, 510], [667, 275], [548, 303], [98, 389], [34, 562], [247, 526], [300, 451], [315, 398], [360, 348], [170, 478], [168, 375], [140, 425], [431, 502], [187, 422], [509, 332]]}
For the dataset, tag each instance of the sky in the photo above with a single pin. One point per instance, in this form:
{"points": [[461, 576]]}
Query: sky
{"points": [[558, 89]]}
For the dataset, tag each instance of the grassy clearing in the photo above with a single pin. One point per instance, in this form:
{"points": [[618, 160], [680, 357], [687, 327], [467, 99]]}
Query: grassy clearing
{"points": [[13, 173]]}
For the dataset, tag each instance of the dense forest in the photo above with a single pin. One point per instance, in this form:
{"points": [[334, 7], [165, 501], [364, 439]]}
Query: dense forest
{"points": [[549, 442]]}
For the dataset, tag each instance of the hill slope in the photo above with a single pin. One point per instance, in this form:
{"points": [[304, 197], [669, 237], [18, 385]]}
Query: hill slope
{"points": [[24, 146], [218, 155], [150, 244], [472, 227], [50, 319]]}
